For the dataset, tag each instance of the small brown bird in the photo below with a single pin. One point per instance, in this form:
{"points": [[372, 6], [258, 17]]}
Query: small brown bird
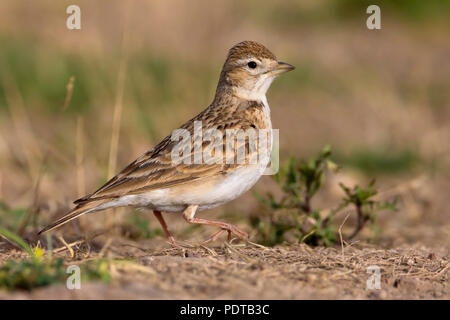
{"points": [[159, 181]]}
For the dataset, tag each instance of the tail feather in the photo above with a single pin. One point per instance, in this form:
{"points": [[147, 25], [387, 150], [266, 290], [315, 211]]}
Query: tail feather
{"points": [[73, 214]]}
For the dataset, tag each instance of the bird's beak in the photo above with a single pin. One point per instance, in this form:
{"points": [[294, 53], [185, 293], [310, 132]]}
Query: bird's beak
{"points": [[283, 67]]}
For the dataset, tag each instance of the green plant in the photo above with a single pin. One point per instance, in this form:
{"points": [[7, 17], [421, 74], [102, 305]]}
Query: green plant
{"points": [[365, 205], [31, 273], [37, 271], [17, 240], [294, 215], [28, 273], [96, 270]]}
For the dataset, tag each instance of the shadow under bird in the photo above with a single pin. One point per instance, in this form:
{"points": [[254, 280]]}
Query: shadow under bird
{"points": [[155, 182]]}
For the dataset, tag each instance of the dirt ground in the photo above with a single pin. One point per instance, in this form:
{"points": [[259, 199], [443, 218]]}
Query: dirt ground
{"points": [[249, 272]]}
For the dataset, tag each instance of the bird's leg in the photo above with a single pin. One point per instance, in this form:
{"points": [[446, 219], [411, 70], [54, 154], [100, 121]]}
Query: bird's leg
{"points": [[215, 236], [189, 216], [160, 218]]}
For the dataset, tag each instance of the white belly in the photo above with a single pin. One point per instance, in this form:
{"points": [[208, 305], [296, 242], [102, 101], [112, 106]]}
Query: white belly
{"points": [[231, 187]]}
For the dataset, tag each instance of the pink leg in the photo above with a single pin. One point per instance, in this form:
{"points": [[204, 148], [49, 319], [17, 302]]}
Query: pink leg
{"points": [[160, 218], [189, 213]]}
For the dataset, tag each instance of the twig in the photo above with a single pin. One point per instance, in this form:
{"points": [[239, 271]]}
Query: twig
{"points": [[212, 252], [69, 91], [80, 170], [442, 271], [81, 184], [113, 150], [105, 247], [237, 252], [361, 221], [72, 254], [340, 232], [70, 245], [34, 209], [257, 245], [79, 242], [307, 235]]}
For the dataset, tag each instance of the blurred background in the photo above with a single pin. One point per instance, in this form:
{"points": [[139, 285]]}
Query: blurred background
{"points": [[139, 69]]}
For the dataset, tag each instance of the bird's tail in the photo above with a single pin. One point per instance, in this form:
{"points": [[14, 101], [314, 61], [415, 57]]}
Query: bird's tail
{"points": [[73, 214]]}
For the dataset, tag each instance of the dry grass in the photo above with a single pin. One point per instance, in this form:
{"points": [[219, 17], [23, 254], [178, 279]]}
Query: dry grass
{"points": [[237, 272]]}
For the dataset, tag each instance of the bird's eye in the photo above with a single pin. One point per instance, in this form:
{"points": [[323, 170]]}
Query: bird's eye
{"points": [[252, 64]]}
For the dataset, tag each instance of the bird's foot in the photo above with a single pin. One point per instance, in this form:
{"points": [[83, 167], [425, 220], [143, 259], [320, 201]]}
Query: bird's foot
{"points": [[231, 229]]}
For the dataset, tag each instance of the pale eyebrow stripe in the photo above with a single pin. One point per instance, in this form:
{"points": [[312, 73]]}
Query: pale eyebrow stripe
{"points": [[246, 60]]}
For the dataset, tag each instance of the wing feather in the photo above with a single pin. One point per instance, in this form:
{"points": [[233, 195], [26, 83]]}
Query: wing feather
{"points": [[155, 169]]}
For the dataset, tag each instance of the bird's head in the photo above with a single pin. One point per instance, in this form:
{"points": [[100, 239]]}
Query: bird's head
{"points": [[249, 70]]}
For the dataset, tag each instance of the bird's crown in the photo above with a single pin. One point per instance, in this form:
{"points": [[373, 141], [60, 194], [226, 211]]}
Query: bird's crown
{"points": [[248, 49]]}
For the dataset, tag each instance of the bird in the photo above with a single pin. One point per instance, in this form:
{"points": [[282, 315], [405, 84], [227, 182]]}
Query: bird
{"points": [[156, 182]]}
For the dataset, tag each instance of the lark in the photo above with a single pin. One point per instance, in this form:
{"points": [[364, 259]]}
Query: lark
{"points": [[156, 182]]}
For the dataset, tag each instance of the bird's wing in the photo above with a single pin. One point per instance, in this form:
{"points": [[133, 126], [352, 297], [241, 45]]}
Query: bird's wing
{"points": [[153, 170], [157, 170]]}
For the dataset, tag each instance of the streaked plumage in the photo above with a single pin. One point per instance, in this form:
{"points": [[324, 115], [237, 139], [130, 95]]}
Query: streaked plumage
{"points": [[155, 182]]}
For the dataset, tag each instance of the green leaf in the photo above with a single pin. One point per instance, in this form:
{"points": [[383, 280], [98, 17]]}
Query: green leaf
{"points": [[18, 240]]}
